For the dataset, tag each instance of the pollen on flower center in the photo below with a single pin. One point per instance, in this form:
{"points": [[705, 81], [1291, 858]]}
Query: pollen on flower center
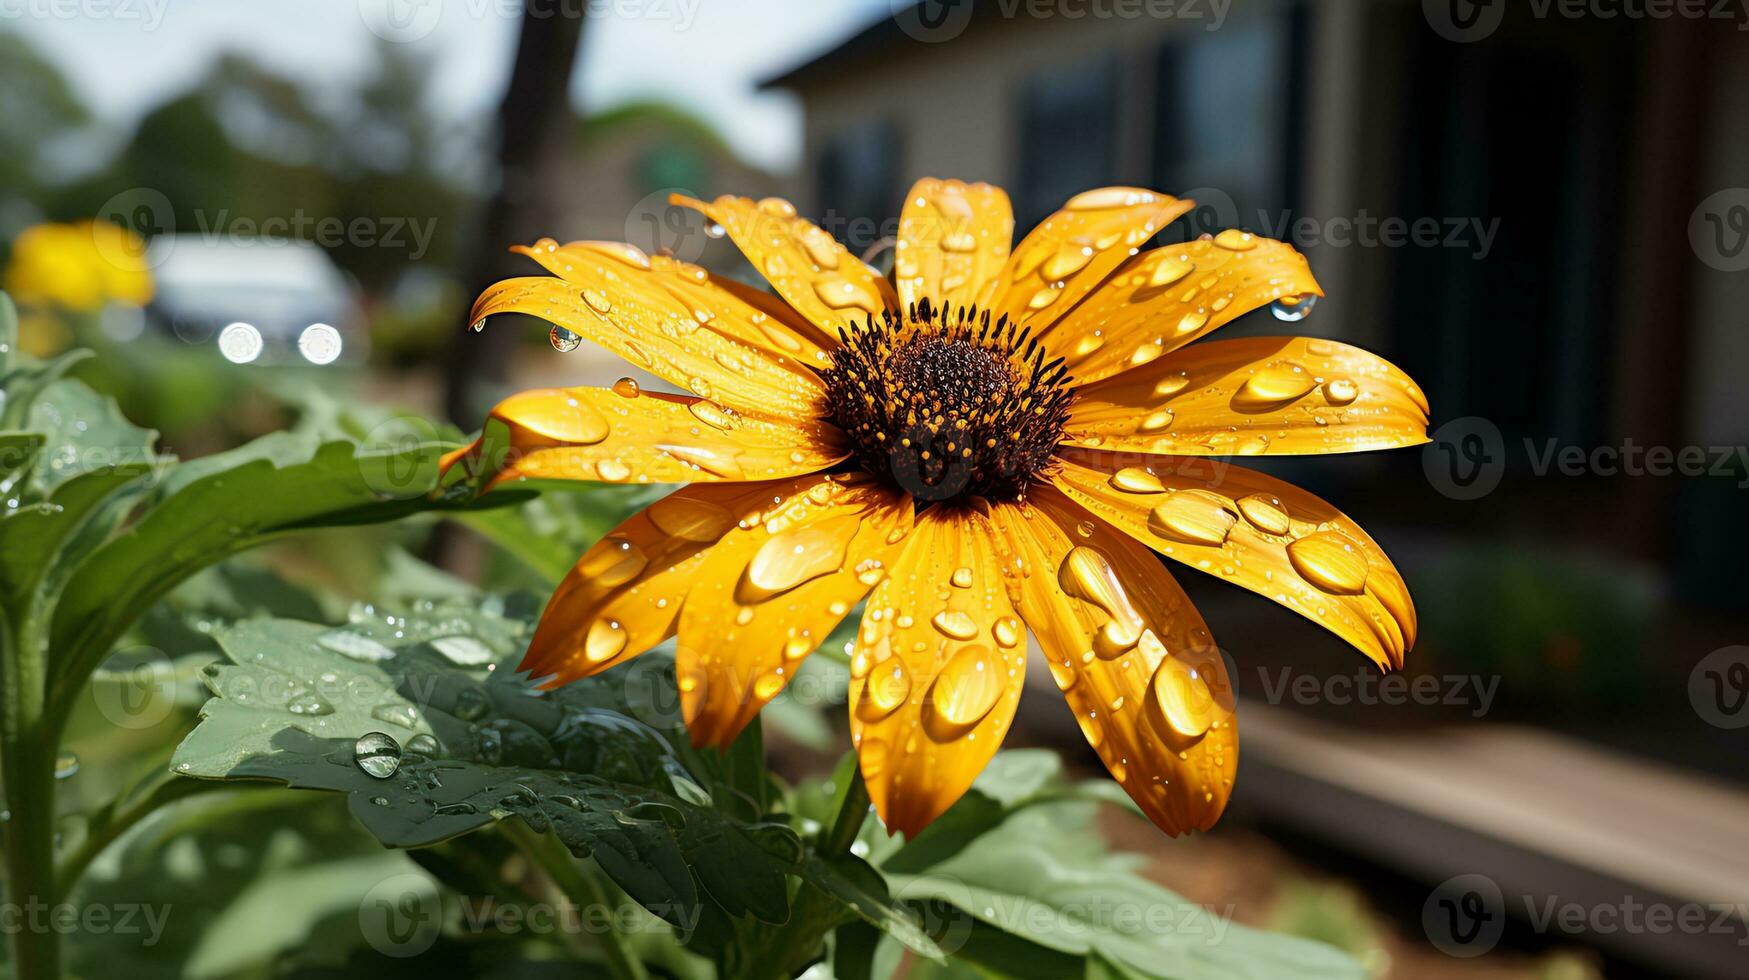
{"points": [[948, 404]]}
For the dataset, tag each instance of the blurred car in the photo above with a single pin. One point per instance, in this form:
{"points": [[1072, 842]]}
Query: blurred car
{"points": [[256, 300]]}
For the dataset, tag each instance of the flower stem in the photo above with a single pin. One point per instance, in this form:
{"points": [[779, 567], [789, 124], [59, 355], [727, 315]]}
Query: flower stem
{"points": [[848, 823], [27, 751], [579, 886]]}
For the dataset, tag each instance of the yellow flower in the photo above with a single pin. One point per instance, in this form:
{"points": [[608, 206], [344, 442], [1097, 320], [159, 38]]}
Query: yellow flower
{"points": [[991, 443], [78, 267]]}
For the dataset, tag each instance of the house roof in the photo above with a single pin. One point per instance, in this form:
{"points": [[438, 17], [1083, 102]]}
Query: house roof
{"points": [[878, 38]]}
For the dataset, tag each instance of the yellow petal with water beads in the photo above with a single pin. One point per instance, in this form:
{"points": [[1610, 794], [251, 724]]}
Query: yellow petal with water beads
{"points": [[1158, 301], [1290, 547], [1160, 716], [599, 434], [923, 740], [1290, 395], [814, 274]]}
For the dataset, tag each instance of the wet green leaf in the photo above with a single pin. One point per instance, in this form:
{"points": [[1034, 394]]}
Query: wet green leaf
{"points": [[458, 748]]}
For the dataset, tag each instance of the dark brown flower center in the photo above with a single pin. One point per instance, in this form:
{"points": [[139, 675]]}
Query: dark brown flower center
{"points": [[946, 404]]}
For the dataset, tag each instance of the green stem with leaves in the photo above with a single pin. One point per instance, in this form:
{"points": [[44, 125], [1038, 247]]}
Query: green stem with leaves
{"points": [[582, 888], [27, 763]]}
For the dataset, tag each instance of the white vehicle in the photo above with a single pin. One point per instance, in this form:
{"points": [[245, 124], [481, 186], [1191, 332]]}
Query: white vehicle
{"points": [[257, 300]]}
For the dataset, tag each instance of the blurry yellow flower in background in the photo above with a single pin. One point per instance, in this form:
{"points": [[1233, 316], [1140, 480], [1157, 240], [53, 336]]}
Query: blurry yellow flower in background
{"points": [[78, 267]]}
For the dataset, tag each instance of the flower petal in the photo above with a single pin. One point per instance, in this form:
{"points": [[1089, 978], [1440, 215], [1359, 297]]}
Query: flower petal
{"points": [[953, 241], [1072, 251], [937, 671], [772, 590], [614, 295], [1279, 395], [625, 593], [603, 435], [747, 315], [1255, 531], [1162, 299], [808, 268], [1132, 657]]}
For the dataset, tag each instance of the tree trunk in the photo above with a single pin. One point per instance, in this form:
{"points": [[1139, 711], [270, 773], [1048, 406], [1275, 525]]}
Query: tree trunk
{"points": [[535, 128]]}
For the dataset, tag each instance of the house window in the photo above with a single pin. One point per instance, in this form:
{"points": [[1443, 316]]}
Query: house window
{"points": [[1068, 136], [857, 178], [1227, 117]]}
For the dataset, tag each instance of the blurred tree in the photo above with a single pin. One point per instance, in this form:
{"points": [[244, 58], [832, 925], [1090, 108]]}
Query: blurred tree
{"points": [[533, 129], [36, 106]]}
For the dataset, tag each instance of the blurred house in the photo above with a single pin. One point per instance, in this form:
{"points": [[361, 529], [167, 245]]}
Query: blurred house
{"points": [[630, 158], [1558, 161], [1576, 283]]}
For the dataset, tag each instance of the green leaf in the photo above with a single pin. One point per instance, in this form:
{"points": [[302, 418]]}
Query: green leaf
{"points": [[18, 452], [1044, 876], [84, 432], [551, 531], [208, 509], [24, 382], [475, 747]]}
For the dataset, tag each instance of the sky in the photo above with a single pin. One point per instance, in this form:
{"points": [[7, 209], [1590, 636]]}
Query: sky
{"points": [[125, 56]]}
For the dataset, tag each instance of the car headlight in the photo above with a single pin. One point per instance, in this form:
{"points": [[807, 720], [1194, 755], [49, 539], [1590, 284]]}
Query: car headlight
{"points": [[320, 344], [240, 343]]}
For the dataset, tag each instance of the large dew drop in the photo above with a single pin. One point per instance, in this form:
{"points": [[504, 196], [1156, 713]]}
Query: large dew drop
{"points": [[968, 686], [1329, 561], [1293, 309], [1086, 574], [563, 341], [888, 686], [796, 556], [1192, 516], [379, 755]]}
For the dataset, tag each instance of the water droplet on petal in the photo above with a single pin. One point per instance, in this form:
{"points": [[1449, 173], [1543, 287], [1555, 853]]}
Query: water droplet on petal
{"points": [[627, 388], [1341, 391], [1193, 516], [1292, 309], [1007, 632], [1235, 240], [792, 557], [1329, 561], [1134, 479], [965, 690], [615, 560], [1273, 386], [962, 577], [605, 639], [887, 687], [690, 518], [1266, 512], [1087, 574], [563, 341], [955, 624]]}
